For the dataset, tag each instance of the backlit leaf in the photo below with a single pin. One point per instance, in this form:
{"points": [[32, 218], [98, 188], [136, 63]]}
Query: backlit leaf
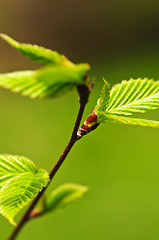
{"points": [[128, 97], [37, 53], [132, 121], [133, 96], [63, 196], [20, 182], [48, 82]]}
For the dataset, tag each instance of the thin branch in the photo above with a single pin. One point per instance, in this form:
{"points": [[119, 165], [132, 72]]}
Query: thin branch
{"points": [[84, 92]]}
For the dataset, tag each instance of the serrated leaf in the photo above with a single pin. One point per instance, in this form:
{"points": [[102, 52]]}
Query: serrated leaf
{"points": [[133, 96], [63, 196], [48, 82], [132, 121], [20, 182], [37, 53], [128, 97]]}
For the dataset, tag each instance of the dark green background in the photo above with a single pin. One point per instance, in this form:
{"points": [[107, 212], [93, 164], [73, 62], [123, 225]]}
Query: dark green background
{"points": [[118, 163]]}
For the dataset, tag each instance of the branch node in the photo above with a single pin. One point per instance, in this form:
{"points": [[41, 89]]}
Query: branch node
{"points": [[84, 92]]}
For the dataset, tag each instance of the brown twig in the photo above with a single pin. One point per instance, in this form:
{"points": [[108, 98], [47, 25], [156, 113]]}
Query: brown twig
{"points": [[84, 92]]}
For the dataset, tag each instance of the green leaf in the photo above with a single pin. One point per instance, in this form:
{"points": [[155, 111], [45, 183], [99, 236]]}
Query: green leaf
{"points": [[63, 196], [18, 82], [104, 97], [36, 53], [48, 82], [20, 182], [133, 96], [128, 97], [59, 76], [132, 121]]}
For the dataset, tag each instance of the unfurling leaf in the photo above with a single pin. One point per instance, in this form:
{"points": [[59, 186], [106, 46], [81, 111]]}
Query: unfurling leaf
{"points": [[59, 76], [104, 97], [133, 121], [128, 97], [48, 82], [20, 182], [133, 96], [37, 53], [63, 196]]}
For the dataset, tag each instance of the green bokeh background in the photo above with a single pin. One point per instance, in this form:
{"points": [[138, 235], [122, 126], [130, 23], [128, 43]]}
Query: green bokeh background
{"points": [[118, 163]]}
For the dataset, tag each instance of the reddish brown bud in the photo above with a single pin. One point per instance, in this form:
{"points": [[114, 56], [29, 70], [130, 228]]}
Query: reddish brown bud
{"points": [[89, 125], [35, 213], [92, 118]]}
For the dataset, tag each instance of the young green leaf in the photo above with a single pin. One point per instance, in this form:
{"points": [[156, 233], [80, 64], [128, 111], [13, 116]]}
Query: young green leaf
{"points": [[132, 121], [20, 182], [63, 196], [37, 53], [104, 97], [128, 97], [48, 82], [133, 96]]}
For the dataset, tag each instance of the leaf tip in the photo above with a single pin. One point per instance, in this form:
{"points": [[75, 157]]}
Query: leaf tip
{"points": [[81, 189], [3, 35], [106, 82], [9, 40], [12, 222]]}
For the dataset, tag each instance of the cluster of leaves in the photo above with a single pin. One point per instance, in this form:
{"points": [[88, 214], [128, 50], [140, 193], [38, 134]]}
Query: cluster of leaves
{"points": [[20, 180], [58, 76]]}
